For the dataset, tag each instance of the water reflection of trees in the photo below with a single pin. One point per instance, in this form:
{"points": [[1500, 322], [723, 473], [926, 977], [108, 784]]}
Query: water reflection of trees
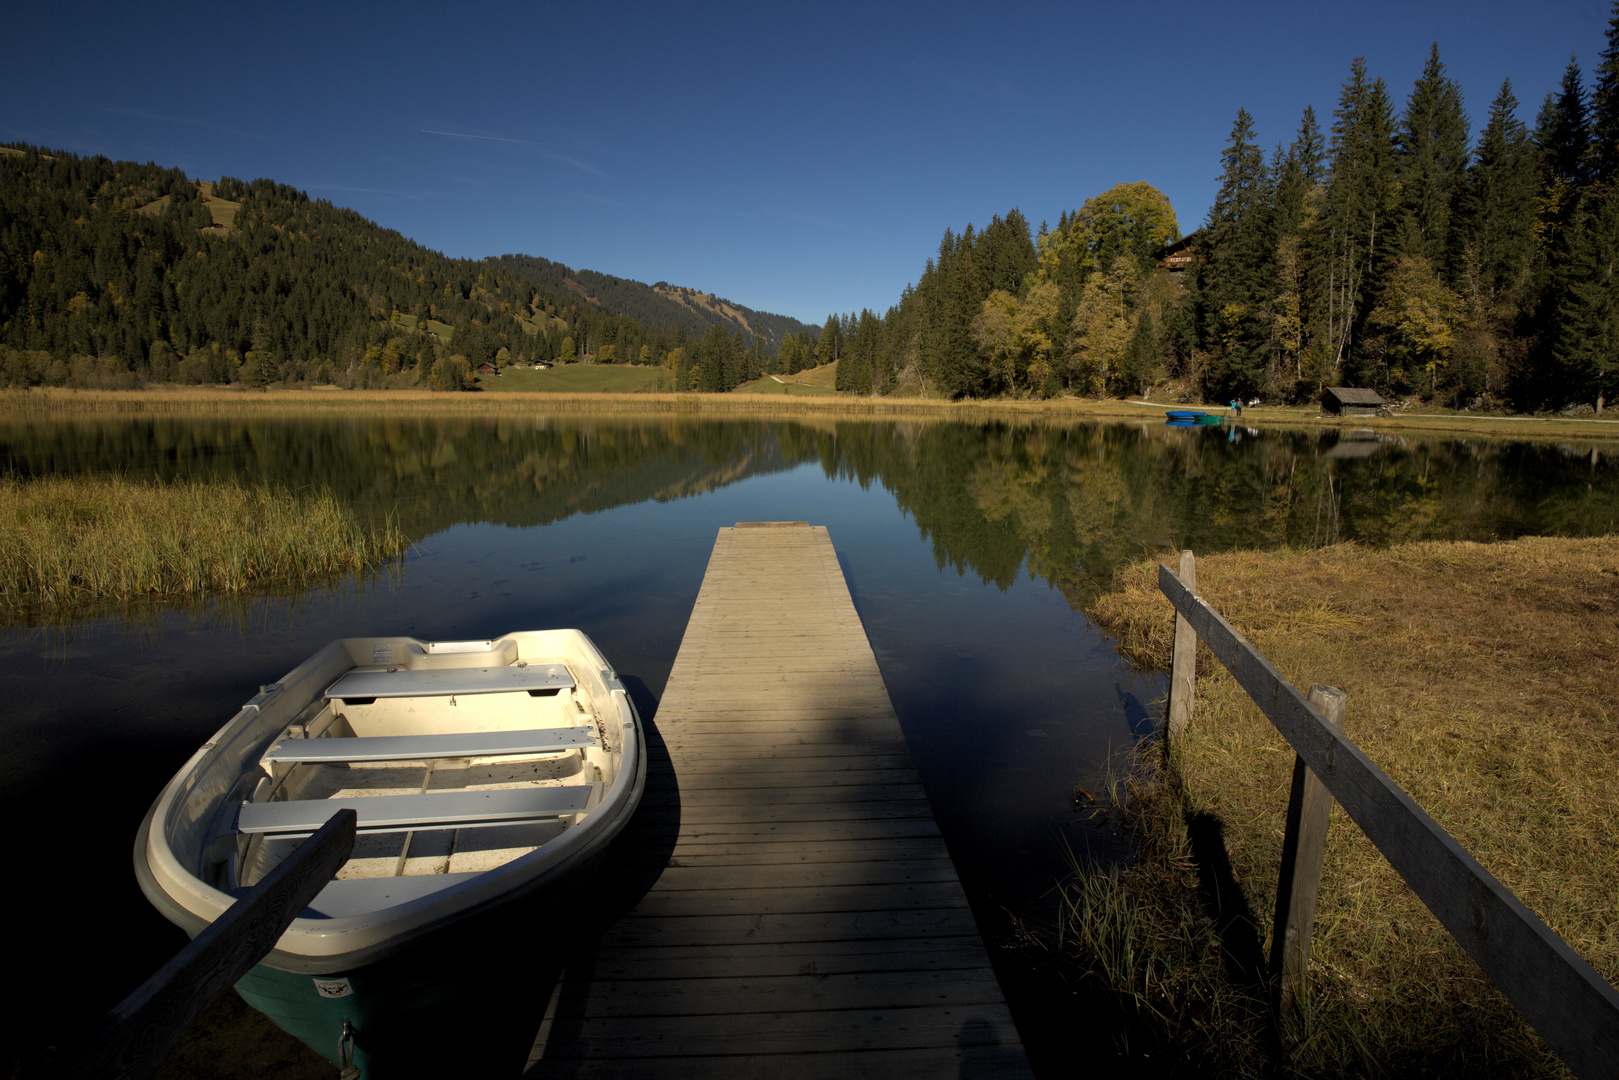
{"points": [[432, 473], [1066, 504], [1070, 503]]}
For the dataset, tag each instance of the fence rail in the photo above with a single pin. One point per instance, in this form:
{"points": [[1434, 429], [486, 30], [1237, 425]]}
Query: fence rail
{"points": [[1564, 998]]}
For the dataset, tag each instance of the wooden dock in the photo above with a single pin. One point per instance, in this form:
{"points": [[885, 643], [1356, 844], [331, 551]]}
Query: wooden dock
{"points": [[792, 909]]}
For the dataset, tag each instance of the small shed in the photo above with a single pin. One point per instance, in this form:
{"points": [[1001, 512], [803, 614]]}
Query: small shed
{"points": [[1350, 401], [486, 368]]}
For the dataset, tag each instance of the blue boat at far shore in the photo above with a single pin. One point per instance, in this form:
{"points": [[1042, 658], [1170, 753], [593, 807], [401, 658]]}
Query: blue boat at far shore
{"points": [[1190, 417]]}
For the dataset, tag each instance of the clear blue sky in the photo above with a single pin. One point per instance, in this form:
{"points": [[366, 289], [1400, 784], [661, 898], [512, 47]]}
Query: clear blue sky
{"points": [[801, 159]]}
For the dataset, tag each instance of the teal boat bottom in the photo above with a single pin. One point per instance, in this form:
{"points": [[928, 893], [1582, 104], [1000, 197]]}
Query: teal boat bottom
{"points": [[466, 999]]}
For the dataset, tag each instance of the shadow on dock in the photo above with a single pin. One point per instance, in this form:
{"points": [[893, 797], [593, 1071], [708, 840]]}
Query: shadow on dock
{"points": [[633, 865]]}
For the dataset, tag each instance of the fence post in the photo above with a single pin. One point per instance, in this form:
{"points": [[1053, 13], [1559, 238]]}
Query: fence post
{"points": [[1183, 676], [1303, 847]]}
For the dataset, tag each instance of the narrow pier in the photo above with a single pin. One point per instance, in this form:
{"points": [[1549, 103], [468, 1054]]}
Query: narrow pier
{"points": [[799, 915]]}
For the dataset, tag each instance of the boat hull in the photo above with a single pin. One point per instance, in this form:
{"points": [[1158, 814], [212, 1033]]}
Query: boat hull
{"points": [[449, 976], [465, 999]]}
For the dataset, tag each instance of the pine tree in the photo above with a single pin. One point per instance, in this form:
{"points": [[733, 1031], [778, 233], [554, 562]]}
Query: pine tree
{"points": [[1299, 177], [831, 341], [1586, 352], [1604, 142], [1561, 132], [1139, 367], [1430, 161], [1353, 233], [1494, 228], [1005, 253], [1235, 275]]}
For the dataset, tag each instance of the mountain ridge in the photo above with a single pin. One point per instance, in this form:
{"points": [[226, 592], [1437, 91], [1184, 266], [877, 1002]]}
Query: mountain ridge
{"points": [[660, 306], [118, 274]]}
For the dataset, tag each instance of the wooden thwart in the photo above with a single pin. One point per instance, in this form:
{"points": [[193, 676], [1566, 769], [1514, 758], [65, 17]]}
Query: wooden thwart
{"points": [[808, 921], [1565, 999]]}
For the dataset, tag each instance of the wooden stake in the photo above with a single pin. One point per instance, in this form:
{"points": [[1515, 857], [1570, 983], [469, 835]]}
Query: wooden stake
{"points": [[1303, 847], [1183, 677]]}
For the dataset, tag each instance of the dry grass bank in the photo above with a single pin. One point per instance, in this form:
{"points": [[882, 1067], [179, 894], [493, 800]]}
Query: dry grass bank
{"points": [[1481, 678], [206, 401], [71, 542], [220, 400]]}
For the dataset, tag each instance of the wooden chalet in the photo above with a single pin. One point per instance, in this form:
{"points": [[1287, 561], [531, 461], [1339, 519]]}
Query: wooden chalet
{"points": [[1350, 401], [1178, 256]]}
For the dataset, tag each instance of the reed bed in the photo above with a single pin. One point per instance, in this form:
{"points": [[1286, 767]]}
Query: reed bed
{"points": [[1480, 678], [68, 542]]}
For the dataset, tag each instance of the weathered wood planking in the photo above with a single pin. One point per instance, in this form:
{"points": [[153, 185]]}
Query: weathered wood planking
{"points": [[803, 917]]}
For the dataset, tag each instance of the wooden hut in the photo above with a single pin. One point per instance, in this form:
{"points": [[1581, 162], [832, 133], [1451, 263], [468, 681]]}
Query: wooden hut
{"points": [[1350, 401]]}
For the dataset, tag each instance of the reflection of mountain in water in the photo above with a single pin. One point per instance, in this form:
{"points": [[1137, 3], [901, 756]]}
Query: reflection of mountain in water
{"points": [[1065, 503], [431, 473]]}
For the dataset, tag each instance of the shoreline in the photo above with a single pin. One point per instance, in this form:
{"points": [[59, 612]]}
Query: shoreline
{"points": [[318, 401]]}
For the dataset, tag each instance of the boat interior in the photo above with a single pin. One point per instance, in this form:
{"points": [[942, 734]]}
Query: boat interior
{"points": [[457, 757]]}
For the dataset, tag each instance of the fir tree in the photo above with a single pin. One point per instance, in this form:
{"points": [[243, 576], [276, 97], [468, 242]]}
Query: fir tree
{"points": [[1353, 232], [1298, 179], [1561, 133], [1586, 351], [1431, 161], [1604, 131], [1236, 273], [1495, 215]]}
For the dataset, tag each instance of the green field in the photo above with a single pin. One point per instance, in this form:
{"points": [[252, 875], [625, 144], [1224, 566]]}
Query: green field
{"points": [[767, 385], [578, 378], [444, 331]]}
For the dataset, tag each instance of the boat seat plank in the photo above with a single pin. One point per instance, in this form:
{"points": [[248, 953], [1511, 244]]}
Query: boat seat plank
{"points": [[461, 744], [442, 682], [346, 897], [402, 813]]}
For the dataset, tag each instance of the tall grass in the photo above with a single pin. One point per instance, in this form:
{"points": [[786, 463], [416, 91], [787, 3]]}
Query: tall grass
{"points": [[1479, 676], [72, 541]]}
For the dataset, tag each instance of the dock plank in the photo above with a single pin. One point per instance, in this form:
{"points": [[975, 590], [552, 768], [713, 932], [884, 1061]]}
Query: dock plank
{"points": [[799, 913]]}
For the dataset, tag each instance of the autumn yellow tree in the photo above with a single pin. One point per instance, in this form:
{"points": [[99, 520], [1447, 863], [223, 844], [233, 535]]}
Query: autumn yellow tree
{"points": [[1102, 327], [1014, 337], [1126, 219], [1416, 319]]}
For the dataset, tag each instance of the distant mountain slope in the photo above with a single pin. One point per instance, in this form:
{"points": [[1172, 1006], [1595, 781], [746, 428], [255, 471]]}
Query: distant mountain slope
{"points": [[118, 274], [661, 306]]}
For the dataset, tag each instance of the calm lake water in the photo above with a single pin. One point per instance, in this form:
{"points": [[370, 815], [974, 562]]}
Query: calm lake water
{"points": [[968, 550]]}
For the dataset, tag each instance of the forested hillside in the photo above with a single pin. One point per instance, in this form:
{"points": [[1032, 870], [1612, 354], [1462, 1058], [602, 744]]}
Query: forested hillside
{"points": [[1392, 250], [660, 307], [115, 274]]}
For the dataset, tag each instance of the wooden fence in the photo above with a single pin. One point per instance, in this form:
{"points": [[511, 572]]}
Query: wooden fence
{"points": [[1563, 997]]}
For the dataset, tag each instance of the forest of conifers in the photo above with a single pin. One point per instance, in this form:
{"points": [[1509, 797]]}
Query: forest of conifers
{"points": [[1392, 250]]}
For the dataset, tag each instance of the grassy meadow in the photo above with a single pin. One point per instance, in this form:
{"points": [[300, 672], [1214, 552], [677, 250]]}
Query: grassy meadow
{"points": [[768, 385], [578, 379], [71, 542], [1479, 677]]}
